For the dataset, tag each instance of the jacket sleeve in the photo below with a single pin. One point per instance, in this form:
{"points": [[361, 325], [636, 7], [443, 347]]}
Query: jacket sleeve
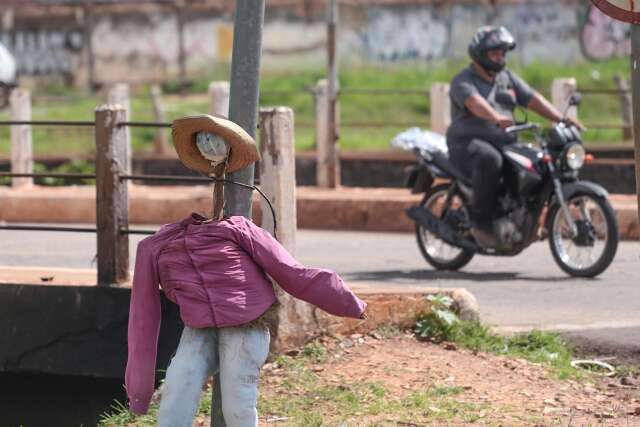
{"points": [[144, 327], [317, 286]]}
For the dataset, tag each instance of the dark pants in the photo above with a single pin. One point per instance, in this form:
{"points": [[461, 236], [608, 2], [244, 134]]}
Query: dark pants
{"points": [[482, 163]]}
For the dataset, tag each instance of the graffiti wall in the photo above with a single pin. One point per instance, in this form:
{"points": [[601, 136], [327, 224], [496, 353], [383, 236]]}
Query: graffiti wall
{"points": [[602, 37], [402, 34], [576, 30], [147, 45], [44, 51]]}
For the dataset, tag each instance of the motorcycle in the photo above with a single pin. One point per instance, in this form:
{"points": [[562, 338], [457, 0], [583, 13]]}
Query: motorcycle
{"points": [[540, 197]]}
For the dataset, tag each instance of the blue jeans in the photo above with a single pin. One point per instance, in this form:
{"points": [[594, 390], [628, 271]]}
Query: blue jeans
{"points": [[242, 353]]}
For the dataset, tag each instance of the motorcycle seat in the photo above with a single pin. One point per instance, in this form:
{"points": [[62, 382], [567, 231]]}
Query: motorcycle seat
{"points": [[441, 160]]}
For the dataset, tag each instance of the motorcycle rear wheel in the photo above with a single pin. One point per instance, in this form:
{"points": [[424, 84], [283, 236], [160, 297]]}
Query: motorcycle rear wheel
{"points": [[593, 250], [436, 252]]}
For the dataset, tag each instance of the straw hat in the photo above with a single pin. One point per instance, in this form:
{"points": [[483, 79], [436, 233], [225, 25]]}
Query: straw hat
{"points": [[242, 153]]}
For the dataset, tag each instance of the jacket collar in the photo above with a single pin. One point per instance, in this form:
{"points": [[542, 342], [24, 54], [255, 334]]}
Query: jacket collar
{"points": [[193, 219]]}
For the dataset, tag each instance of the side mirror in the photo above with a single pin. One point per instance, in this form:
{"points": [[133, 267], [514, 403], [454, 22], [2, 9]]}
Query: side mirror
{"points": [[575, 99]]}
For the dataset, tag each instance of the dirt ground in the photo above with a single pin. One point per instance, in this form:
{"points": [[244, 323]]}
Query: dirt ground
{"points": [[504, 391]]}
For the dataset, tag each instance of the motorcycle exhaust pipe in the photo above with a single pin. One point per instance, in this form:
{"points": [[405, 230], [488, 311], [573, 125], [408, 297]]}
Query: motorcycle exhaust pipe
{"points": [[440, 228]]}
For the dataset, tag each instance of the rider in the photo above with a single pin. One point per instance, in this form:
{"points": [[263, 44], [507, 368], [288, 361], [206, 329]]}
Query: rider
{"points": [[483, 97]]}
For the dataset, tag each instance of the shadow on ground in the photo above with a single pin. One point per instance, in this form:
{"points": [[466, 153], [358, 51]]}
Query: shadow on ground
{"points": [[420, 275]]}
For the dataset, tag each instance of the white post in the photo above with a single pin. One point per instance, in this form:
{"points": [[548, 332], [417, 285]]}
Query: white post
{"points": [[160, 143], [561, 90], [219, 95], [440, 108], [119, 95], [278, 173], [21, 139]]}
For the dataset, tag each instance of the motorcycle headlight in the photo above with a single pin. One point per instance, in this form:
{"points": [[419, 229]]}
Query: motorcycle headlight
{"points": [[574, 156]]}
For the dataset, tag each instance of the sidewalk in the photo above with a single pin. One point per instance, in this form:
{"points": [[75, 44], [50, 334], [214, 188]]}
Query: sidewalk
{"points": [[347, 208]]}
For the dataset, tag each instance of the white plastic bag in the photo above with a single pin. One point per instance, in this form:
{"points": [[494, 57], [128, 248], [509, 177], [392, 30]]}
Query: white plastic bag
{"points": [[7, 66], [424, 140]]}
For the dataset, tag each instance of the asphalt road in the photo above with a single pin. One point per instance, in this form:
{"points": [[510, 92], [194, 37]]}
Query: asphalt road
{"points": [[516, 293]]}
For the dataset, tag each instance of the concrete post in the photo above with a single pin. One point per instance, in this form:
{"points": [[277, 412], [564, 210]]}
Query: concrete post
{"points": [[332, 160], [635, 84], [160, 143], [561, 90], [294, 318], [327, 163], [21, 138], [321, 104], [219, 95], [440, 108], [182, 52], [112, 209], [88, 37], [626, 108], [278, 173], [119, 95]]}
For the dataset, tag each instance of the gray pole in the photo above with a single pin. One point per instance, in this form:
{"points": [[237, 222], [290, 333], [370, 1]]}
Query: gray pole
{"points": [[243, 110], [332, 77], [635, 81], [243, 102]]}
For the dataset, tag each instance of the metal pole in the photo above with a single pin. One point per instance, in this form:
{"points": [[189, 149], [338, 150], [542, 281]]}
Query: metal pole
{"points": [[332, 77], [243, 110], [635, 81], [243, 103]]}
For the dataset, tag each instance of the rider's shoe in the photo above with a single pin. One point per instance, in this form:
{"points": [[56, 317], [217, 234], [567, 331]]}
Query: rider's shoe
{"points": [[484, 236]]}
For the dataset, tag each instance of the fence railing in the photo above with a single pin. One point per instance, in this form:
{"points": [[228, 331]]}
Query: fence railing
{"points": [[438, 94], [112, 217], [112, 177]]}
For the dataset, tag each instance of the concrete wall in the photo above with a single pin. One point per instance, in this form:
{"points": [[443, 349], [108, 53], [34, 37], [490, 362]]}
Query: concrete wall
{"points": [[145, 44]]}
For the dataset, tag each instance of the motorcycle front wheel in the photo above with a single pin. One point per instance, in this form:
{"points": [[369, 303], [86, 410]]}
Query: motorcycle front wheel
{"points": [[591, 250], [438, 253]]}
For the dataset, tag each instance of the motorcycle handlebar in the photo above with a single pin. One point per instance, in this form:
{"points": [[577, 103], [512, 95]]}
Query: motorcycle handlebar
{"points": [[521, 128]]}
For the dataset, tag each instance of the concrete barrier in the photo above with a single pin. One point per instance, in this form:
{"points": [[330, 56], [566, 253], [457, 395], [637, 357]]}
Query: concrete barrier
{"points": [[90, 311], [347, 208]]}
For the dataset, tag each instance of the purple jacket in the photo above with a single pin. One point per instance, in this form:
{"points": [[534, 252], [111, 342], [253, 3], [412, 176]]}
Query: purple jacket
{"points": [[216, 273]]}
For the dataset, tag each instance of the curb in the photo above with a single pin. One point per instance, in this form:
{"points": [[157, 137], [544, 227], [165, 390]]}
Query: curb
{"points": [[389, 304], [347, 208]]}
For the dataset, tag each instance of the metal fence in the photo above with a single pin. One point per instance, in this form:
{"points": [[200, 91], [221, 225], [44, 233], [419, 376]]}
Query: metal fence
{"points": [[112, 226]]}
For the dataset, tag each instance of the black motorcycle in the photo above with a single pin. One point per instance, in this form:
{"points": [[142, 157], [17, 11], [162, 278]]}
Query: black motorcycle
{"points": [[540, 197]]}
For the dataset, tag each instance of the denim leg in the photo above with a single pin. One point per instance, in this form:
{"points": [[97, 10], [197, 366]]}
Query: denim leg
{"points": [[243, 351], [189, 369]]}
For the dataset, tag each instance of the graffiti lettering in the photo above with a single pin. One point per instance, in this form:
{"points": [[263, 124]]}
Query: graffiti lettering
{"points": [[415, 33], [602, 37]]}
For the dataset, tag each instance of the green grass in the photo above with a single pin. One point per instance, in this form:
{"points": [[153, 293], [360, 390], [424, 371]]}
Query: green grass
{"points": [[302, 397], [355, 107], [440, 323]]}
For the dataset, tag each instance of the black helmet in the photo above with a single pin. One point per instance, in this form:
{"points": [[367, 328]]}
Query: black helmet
{"points": [[488, 38]]}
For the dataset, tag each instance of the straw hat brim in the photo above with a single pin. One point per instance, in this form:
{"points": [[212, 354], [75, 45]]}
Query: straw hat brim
{"points": [[242, 148]]}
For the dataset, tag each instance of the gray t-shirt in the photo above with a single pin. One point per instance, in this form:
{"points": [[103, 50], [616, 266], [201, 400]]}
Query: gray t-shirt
{"points": [[464, 125]]}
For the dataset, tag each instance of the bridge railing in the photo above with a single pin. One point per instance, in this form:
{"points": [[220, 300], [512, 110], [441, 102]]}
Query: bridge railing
{"points": [[112, 201]]}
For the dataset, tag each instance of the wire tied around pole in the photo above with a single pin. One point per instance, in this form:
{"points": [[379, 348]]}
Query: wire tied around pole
{"points": [[251, 187]]}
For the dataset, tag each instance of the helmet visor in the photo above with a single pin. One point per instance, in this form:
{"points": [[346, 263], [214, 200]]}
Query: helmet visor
{"points": [[501, 38]]}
